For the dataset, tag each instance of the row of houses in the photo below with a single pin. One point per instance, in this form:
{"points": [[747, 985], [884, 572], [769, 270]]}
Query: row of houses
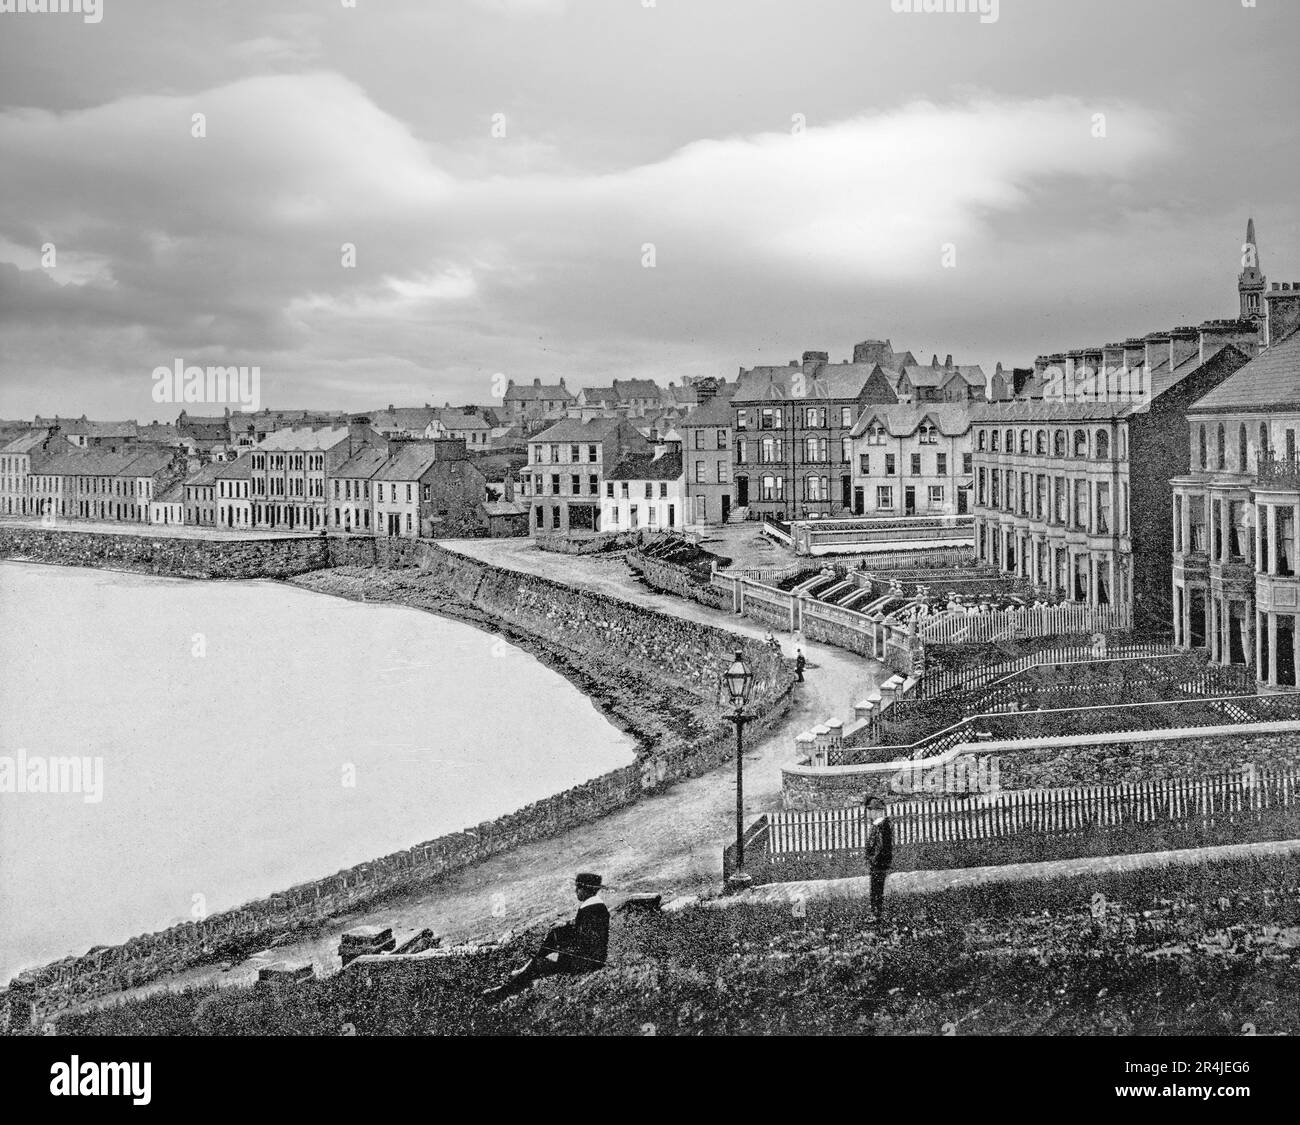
{"points": [[878, 436], [1170, 486], [348, 478]]}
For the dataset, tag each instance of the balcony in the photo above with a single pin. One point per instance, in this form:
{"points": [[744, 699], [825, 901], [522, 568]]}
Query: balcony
{"points": [[1278, 472]]}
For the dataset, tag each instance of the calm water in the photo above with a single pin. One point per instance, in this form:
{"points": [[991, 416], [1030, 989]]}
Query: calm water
{"points": [[225, 774]]}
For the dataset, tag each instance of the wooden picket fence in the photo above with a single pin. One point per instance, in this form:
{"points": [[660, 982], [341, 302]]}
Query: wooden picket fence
{"points": [[1220, 806], [960, 627]]}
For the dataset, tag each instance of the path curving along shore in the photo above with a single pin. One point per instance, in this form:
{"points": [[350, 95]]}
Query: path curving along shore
{"points": [[656, 677]]}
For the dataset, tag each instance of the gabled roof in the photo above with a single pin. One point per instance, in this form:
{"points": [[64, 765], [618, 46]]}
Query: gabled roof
{"points": [[714, 412], [460, 420], [409, 463], [26, 443], [363, 464], [648, 467], [951, 419], [1269, 382], [536, 391], [205, 477], [302, 440], [414, 418], [241, 468], [627, 389], [574, 429], [777, 384]]}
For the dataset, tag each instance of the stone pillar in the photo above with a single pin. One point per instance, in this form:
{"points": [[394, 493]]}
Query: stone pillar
{"points": [[805, 748], [822, 743], [1259, 630], [1271, 510], [835, 740]]}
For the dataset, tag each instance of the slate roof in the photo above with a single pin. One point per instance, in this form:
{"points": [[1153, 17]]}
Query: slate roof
{"points": [[363, 464], [533, 392], [627, 389], [93, 463], [239, 469], [1269, 382], [414, 418], [302, 440], [829, 381], [409, 463], [26, 443], [460, 420], [574, 429], [648, 467], [950, 418], [715, 412]]}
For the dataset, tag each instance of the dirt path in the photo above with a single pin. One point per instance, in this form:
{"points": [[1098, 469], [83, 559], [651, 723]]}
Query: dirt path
{"points": [[670, 844]]}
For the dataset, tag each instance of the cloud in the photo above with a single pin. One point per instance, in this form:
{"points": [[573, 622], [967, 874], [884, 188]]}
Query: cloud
{"points": [[497, 261]]}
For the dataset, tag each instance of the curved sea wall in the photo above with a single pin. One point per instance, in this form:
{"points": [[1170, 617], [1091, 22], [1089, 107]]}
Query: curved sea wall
{"points": [[655, 676]]}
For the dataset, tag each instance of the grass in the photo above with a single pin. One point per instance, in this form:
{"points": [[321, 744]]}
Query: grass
{"points": [[1196, 950]]}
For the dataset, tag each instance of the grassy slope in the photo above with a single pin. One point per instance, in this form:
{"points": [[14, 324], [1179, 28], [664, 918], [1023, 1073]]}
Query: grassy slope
{"points": [[1199, 950]]}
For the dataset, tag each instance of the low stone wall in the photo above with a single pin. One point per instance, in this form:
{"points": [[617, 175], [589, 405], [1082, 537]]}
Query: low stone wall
{"points": [[185, 558], [587, 544], [655, 676], [672, 579], [1055, 763]]}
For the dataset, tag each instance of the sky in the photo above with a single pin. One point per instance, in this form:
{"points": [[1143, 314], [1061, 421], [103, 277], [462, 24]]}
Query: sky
{"points": [[600, 189]]}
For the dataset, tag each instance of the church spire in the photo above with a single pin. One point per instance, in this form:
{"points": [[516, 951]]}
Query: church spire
{"points": [[1251, 282]]}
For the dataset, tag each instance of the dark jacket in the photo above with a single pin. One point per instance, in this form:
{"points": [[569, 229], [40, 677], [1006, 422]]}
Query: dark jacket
{"points": [[880, 844], [582, 944]]}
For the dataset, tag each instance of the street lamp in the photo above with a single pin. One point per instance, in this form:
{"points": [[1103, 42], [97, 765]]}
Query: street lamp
{"points": [[739, 678]]}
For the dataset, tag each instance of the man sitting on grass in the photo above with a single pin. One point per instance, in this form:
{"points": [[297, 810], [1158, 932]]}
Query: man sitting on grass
{"points": [[579, 946]]}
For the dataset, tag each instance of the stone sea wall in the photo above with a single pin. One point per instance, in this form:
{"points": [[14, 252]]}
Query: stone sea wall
{"points": [[655, 676]]}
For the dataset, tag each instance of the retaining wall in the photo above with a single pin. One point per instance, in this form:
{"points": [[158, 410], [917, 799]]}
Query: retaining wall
{"points": [[1056, 763], [656, 676]]}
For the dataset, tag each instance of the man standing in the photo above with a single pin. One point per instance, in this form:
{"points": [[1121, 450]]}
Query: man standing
{"points": [[579, 946], [880, 851], [799, 663]]}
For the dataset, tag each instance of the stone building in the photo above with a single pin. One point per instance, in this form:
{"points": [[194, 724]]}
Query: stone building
{"points": [[351, 497], [234, 499], [792, 425], [707, 435], [16, 468], [645, 491], [200, 491], [426, 489], [1236, 512], [1073, 494], [567, 463], [528, 404], [291, 468], [96, 484], [913, 459]]}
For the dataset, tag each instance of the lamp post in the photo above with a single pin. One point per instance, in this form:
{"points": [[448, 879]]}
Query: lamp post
{"points": [[739, 678]]}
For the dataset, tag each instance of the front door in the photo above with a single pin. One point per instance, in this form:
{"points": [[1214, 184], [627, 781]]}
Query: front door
{"points": [[909, 501], [859, 501], [726, 508], [962, 505], [846, 492], [742, 492]]}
